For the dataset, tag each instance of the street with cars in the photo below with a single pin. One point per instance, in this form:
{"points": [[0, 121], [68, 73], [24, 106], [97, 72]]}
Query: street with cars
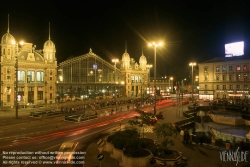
{"points": [[49, 131]]}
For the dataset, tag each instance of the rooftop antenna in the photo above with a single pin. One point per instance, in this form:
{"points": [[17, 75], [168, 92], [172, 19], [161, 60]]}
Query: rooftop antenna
{"points": [[142, 48], [8, 30], [49, 30], [126, 46]]}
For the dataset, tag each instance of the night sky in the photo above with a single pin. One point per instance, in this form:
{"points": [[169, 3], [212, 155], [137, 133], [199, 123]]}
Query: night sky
{"points": [[190, 31]]}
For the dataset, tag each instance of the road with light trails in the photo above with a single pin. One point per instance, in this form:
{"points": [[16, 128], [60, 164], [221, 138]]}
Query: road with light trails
{"points": [[49, 138]]}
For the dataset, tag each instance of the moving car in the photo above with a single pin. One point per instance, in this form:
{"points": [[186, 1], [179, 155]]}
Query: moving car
{"points": [[66, 151]]}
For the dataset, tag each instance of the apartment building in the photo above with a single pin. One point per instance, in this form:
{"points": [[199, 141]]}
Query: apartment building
{"points": [[224, 78]]}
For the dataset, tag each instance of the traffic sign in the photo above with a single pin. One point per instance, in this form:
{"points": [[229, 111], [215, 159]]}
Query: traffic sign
{"points": [[100, 142], [100, 157], [100, 149]]}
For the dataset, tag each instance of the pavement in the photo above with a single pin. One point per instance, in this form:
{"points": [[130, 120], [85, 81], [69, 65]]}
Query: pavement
{"points": [[205, 156], [8, 115]]}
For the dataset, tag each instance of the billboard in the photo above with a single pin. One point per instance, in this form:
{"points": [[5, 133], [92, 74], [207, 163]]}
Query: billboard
{"points": [[234, 49]]}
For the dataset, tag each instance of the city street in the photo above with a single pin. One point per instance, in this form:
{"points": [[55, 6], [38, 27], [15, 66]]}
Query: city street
{"points": [[47, 134]]}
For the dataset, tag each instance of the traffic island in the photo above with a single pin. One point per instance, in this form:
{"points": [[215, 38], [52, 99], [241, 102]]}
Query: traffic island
{"points": [[169, 158], [131, 150], [96, 157]]}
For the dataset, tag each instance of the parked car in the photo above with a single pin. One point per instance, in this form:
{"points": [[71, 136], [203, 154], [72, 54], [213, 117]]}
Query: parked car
{"points": [[159, 116], [185, 102], [154, 119], [206, 100]]}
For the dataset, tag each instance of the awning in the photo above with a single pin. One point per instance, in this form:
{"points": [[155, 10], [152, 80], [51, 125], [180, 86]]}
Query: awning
{"points": [[238, 95]]}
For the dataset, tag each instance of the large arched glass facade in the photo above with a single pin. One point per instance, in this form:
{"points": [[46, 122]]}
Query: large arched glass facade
{"points": [[89, 69], [88, 76]]}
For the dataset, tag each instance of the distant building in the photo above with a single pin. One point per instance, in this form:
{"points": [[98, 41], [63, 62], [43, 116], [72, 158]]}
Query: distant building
{"points": [[36, 72], [225, 78]]}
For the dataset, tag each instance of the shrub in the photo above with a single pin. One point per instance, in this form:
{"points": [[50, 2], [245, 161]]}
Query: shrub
{"points": [[130, 142]]}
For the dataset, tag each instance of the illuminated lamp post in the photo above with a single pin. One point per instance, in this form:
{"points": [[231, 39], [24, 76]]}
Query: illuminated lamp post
{"points": [[170, 87], [16, 66], [192, 64], [155, 45], [196, 83], [149, 66], [115, 61]]}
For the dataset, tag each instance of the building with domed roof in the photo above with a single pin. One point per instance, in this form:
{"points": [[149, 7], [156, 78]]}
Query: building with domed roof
{"points": [[37, 70]]}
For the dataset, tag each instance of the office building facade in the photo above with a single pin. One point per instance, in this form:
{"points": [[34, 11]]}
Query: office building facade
{"points": [[224, 78]]}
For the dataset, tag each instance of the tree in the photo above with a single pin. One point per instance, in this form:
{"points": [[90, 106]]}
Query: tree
{"points": [[143, 119], [166, 131], [123, 139]]}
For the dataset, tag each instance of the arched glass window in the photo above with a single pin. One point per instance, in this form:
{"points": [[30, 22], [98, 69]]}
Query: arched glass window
{"points": [[8, 70], [136, 78], [21, 76], [133, 78], [30, 76], [3, 51], [39, 76]]}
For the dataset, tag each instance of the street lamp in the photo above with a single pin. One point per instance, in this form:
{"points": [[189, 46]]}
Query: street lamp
{"points": [[115, 61], [155, 45], [148, 66], [196, 82], [16, 66], [192, 64], [170, 87]]}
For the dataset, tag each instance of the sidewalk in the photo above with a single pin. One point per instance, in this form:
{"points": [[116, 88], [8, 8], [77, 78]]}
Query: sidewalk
{"points": [[204, 156], [8, 115]]}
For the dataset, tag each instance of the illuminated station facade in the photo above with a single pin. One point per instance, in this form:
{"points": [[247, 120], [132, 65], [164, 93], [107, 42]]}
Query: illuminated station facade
{"points": [[90, 76], [37, 71]]}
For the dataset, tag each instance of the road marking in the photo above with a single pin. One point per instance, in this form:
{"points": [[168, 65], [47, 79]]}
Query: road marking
{"points": [[46, 140], [83, 136]]}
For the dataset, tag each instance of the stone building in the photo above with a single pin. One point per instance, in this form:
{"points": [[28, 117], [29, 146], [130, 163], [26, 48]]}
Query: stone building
{"points": [[225, 78], [36, 72]]}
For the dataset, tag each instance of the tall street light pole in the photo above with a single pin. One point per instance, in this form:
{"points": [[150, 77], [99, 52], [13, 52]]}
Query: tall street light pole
{"points": [[192, 64], [115, 61], [16, 67], [169, 86], [148, 67], [155, 45], [196, 82]]}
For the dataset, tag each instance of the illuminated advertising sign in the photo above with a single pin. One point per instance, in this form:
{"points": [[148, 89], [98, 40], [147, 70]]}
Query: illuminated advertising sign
{"points": [[234, 49]]}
